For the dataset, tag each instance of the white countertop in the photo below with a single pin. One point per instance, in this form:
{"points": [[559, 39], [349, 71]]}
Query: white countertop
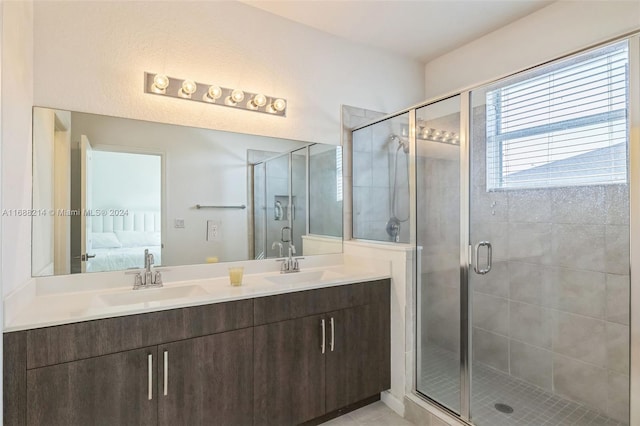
{"points": [[44, 307]]}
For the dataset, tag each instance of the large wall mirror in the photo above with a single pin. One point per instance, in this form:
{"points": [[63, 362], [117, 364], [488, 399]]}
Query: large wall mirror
{"points": [[106, 189]]}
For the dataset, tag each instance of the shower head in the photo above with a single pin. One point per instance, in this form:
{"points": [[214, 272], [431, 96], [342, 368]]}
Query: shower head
{"points": [[404, 144]]}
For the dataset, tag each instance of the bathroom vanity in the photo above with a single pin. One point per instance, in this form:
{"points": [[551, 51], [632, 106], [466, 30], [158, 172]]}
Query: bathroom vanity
{"points": [[283, 359]]}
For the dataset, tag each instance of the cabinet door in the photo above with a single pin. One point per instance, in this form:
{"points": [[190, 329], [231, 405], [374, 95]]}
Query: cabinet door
{"points": [[208, 380], [108, 390], [358, 361], [289, 372]]}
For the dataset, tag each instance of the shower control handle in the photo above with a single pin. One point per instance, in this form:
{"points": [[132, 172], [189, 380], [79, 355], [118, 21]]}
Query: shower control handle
{"points": [[487, 268]]}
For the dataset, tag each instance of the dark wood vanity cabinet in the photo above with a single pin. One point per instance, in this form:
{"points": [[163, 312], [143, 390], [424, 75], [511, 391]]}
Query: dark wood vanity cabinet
{"points": [[317, 364], [208, 380], [107, 390], [112, 371], [255, 361], [289, 372], [206, 383], [358, 365]]}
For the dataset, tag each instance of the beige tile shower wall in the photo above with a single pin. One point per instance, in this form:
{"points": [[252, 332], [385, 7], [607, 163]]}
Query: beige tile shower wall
{"points": [[438, 232], [374, 163], [554, 310], [352, 117], [325, 206], [438, 205]]}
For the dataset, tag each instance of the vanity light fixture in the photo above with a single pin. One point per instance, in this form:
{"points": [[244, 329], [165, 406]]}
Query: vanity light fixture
{"points": [[435, 135], [160, 84]]}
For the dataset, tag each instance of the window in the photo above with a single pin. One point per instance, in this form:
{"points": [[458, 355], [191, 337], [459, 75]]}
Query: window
{"points": [[565, 126]]}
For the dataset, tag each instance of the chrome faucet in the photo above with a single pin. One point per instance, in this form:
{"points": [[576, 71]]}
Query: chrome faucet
{"points": [[290, 264], [147, 278]]}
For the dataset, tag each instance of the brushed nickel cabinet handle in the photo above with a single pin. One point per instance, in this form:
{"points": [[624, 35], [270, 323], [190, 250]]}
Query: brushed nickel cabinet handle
{"points": [[322, 345], [166, 372], [333, 335], [150, 372]]}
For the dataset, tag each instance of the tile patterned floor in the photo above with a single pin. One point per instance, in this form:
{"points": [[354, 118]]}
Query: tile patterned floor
{"points": [[532, 405], [376, 414]]}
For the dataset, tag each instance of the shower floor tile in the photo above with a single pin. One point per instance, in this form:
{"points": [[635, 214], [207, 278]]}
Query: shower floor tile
{"points": [[531, 405]]}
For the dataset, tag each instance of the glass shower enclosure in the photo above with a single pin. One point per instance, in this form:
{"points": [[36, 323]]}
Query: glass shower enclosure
{"points": [[521, 196]]}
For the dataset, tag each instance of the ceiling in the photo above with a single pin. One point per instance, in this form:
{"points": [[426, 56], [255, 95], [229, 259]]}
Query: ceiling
{"points": [[419, 29]]}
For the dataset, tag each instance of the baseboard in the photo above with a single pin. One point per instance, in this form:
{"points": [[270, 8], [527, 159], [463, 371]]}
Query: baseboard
{"points": [[392, 402], [342, 411]]}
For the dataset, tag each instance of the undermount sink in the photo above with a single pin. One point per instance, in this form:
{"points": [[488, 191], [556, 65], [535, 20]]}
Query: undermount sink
{"points": [[132, 297], [303, 277]]}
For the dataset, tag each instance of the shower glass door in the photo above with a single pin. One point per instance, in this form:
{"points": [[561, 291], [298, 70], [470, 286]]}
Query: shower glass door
{"points": [[298, 206], [438, 239], [549, 228], [259, 211], [278, 181]]}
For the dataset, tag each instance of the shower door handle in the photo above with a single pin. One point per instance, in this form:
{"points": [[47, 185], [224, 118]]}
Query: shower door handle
{"points": [[487, 268]]}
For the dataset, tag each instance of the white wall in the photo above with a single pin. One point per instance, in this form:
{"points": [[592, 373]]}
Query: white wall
{"points": [[202, 166], [92, 57], [17, 100], [44, 127], [126, 181], [558, 29], [2, 65]]}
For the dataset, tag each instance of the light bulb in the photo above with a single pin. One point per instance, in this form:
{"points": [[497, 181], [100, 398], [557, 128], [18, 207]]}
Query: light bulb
{"points": [[237, 95], [212, 94], [257, 101], [279, 105], [260, 100], [160, 83], [188, 88]]}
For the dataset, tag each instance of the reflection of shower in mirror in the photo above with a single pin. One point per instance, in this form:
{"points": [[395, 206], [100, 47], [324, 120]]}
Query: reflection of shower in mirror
{"points": [[394, 223], [277, 210]]}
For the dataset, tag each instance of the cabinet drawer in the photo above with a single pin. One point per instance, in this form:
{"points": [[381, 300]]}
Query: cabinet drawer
{"points": [[312, 302], [64, 343]]}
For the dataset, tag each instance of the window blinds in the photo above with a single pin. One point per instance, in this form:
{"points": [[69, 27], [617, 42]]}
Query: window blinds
{"points": [[567, 125]]}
